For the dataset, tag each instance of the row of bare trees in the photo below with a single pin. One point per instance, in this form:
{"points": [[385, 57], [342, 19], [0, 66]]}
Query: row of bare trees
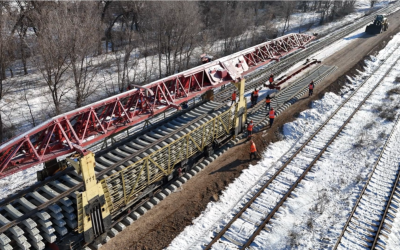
{"points": [[70, 47]]}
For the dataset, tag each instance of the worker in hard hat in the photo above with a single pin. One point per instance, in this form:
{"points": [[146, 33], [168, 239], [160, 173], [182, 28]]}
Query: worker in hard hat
{"points": [[271, 116], [250, 129], [253, 150]]}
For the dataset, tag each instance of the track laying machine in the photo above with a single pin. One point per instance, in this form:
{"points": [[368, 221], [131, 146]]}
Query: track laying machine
{"points": [[82, 199], [96, 192]]}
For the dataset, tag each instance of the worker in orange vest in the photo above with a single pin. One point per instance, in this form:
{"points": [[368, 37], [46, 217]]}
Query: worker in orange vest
{"points": [[271, 116], [311, 88], [255, 97], [253, 150], [250, 129], [233, 97], [271, 79], [268, 102]]}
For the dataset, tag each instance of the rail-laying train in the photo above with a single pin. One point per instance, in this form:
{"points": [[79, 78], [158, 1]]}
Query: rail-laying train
{"points": [[80, 199]]}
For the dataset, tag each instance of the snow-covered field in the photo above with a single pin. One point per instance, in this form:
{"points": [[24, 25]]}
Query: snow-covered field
{"points": [[315, 215]]}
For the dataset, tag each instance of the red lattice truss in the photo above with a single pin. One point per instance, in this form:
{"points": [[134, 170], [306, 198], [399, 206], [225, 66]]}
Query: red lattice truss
{"points": [[94, 122]]}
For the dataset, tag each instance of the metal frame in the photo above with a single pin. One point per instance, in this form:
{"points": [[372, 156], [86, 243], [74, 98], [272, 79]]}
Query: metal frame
{"points": [[92, 123], [137, 176]]}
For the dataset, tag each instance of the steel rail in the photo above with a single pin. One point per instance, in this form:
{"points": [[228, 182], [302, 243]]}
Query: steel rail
{"points": [[119, 163], [22, 193], [285, 92], [98, 175], [267, 219], [389, 203], [365, 188], [293, 58], [261, 227], [248, 204]]}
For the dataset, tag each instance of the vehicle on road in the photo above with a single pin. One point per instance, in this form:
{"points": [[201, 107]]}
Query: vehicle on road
{"points": [[379, 25]]}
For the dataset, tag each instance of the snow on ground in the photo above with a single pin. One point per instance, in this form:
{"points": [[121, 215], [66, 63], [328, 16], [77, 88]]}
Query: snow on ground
{"points": [[18, 112], [315, 216], [200, 232]]}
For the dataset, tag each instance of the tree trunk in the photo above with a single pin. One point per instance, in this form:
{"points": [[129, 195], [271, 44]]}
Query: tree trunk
{"points": [[23, 55], [3, 73], [1, 129]]}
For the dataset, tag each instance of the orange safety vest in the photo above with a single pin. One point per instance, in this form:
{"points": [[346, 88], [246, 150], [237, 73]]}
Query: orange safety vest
{"points": [[268, 100], [311, 86], [271, 79], [234, 97], [253, 148], [271, 114], [255, 93], [250, 127]]}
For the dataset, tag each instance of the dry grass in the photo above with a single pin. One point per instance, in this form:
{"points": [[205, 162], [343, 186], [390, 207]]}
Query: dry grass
{"points": [[294, 238], [362, 140], [394, 91], [359, 178], [310, 223], [388, 114], [369, 125]]}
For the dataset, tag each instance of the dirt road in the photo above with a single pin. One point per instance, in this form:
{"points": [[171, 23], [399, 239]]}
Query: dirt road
{"points": [[158, 227]]}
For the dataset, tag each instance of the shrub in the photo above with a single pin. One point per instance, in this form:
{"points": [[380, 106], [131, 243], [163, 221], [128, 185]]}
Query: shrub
{"points": [[294, 238], [388, 114], [394, 91]]}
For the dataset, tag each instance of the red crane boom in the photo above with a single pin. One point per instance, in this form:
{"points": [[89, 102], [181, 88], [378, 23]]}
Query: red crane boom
{"points": [[89, 124]]}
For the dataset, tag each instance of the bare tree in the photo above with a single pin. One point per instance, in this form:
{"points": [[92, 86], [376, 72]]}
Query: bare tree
{"points": [[373, 2], [172, 33], [7, 48], [324, 7], [81, 25], [25, 98], [52, 49], [288, 9]]}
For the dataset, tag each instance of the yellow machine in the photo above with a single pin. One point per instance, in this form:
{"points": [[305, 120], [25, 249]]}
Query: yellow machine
{"points": [[99, 204], [241, 108], [94, 219]]}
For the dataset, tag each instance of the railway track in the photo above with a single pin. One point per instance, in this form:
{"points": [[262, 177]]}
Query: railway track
{"points": [[371, 218], [246, 225], [258, 78], [48, 211], [258, 114]]}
